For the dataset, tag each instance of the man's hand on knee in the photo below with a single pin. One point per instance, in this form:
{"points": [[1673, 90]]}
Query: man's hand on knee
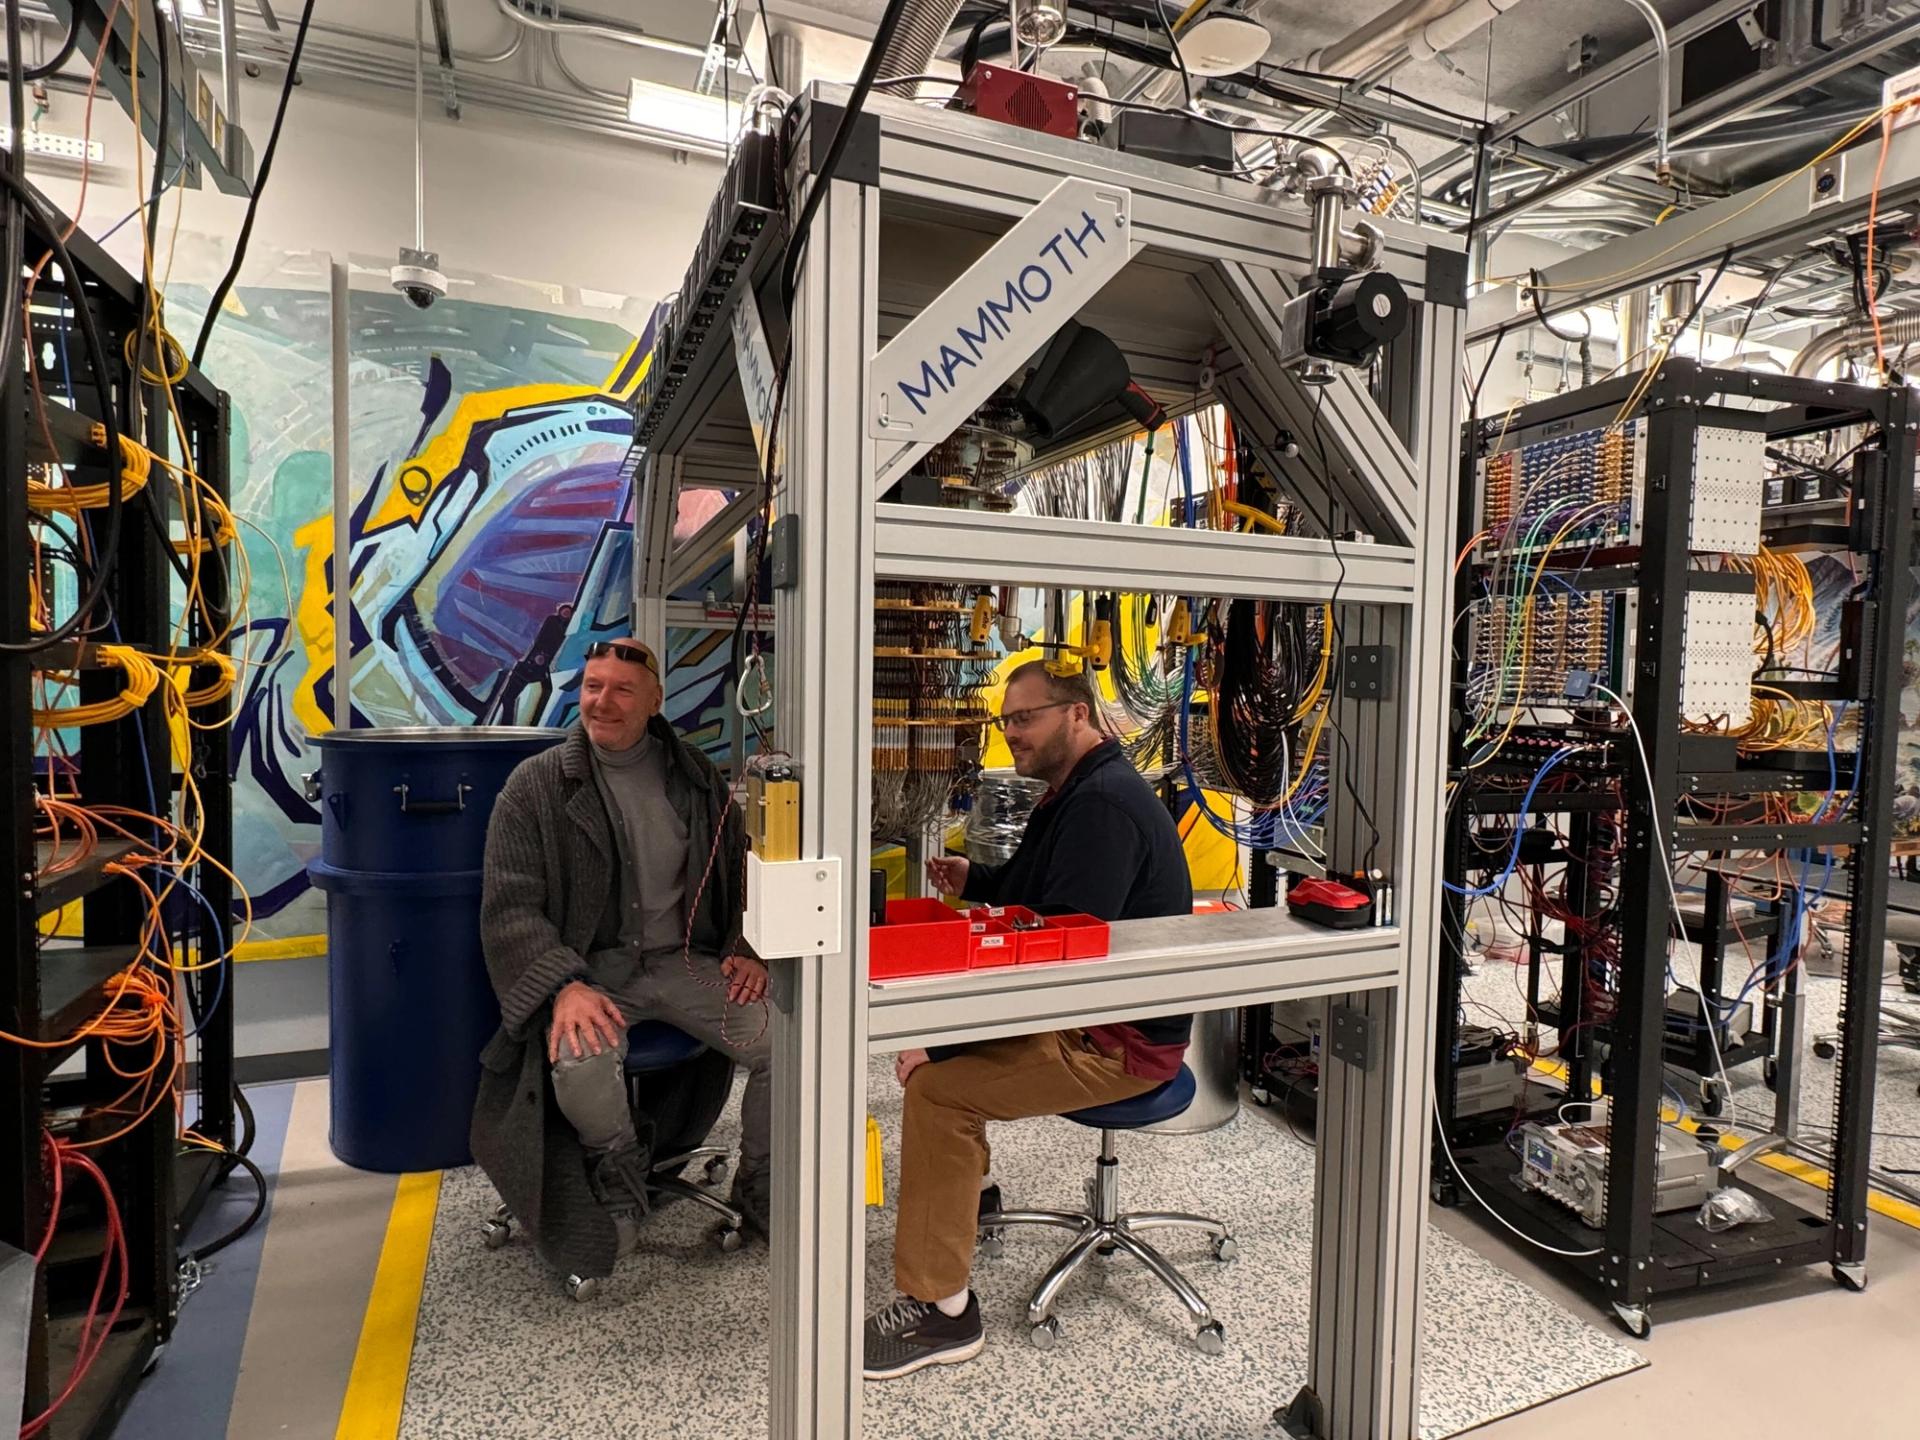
{"points": [[908, 1061], [584, 1022]]}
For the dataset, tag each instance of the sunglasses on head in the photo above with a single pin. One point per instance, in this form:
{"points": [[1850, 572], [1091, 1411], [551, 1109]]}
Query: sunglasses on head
{"points": [[625, 650]]}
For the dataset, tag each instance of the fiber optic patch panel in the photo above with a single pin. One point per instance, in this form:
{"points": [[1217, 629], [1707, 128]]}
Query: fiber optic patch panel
{"points": [[1585, 491]]}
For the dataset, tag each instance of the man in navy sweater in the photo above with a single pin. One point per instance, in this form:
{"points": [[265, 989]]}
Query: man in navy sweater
{"points": [[1100, 843]]}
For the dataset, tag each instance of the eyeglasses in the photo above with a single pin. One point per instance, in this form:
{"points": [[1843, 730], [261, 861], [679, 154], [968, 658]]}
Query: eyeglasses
{"points": [[625, 650], [1021, 719]]}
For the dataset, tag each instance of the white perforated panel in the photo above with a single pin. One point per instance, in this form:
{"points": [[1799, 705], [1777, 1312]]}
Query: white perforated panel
{"points": [[1729, 479], [1716, 679]]}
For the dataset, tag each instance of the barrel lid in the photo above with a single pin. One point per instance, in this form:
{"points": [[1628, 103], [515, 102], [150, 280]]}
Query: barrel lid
{"points": [[440, 735]]}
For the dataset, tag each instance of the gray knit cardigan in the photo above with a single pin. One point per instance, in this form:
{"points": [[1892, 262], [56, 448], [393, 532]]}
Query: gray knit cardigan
{"points": [[549, 898]]}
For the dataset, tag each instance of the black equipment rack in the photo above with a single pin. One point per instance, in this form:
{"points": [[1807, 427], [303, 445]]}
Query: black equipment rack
{"points": [[1639, 1254], [51, 987]]}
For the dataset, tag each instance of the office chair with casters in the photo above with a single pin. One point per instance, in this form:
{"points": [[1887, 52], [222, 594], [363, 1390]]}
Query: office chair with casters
{"points": [[653, 1046], [1103, 1228]]}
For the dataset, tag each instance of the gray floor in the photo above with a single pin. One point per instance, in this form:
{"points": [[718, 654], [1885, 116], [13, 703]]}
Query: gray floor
{"points": [[1717, 1356], [501, 1353]]}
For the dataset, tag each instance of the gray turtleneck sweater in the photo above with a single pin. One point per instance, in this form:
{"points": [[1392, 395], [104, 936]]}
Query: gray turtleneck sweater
{"points": [[652, 836]]}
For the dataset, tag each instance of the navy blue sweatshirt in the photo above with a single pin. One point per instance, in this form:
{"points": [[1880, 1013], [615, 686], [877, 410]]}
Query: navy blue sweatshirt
{"points": [[1103, 845]]}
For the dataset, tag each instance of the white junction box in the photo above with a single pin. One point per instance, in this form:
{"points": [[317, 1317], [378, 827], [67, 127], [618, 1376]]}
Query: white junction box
{"points": [[1716, 680], [1729, 484], [793, 908]]}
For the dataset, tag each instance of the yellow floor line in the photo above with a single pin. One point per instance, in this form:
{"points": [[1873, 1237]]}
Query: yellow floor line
{"points": [[1894, 1209], [377, 1388], [294, 947]]}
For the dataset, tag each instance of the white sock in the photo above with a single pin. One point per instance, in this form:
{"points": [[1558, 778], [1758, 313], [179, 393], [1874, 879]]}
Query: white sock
{"points": [[954, 1306], [987, 1182]]}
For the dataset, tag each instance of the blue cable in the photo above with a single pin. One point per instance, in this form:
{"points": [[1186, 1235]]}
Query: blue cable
{"points": [[220, 970], [1519, 831]]}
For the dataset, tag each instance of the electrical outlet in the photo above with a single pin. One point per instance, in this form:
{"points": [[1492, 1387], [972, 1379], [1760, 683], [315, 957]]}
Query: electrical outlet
{"points": [[1828, 181]]}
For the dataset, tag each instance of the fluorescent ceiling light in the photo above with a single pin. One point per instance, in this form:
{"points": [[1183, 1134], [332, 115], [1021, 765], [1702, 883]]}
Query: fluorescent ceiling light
{"points": [[681, 112]]}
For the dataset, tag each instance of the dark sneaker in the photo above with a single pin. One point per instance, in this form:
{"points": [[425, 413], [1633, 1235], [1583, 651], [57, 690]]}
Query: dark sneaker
{"points": [[753, 1197], [989, 1201], [619, 1179], [910, 1335]]}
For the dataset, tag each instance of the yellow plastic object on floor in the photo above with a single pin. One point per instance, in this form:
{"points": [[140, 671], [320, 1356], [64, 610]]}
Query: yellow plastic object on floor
{"points": [[876, 1178]]}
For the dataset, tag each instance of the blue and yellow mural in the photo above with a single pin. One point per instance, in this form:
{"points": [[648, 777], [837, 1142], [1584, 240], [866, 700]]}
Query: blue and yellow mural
{"points": [[489, 537]]}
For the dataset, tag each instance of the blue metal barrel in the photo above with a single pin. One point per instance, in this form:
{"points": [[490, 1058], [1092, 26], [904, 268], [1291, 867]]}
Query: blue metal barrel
{"points": [[403, 833]]}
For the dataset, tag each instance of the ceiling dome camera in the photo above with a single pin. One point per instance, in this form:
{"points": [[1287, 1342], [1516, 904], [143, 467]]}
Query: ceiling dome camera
{"points": [[418, 277]]}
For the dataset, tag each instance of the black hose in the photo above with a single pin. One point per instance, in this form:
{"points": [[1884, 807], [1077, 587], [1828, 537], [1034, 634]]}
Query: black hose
{"points": [[220, 292], [60, 56], [843, 132], [214, 1247]]}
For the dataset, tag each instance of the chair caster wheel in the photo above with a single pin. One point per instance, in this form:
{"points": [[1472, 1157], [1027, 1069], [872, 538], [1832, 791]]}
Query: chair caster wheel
{"points": [[1105, 1250], [1212, 1338], [716, 1167], [582, 1289], [1045, 1335], [1226, 1248], [729, 1239], [496, 1233], [993, 1245], [1634, 1319]]}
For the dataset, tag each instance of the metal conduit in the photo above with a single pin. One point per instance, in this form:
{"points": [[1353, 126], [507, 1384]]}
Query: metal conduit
{"points": [[1844, 340], [916, 38]]}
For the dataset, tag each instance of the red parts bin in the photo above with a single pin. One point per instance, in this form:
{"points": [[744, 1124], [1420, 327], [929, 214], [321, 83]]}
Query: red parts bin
{"points": [[1043, 939], [921, 937], [926, 937], [1085, 937], [993, 944]]}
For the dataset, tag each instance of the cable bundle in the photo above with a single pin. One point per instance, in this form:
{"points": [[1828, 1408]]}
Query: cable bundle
{"points": [[214, 690], [136, 466], [143, 676], [1268, 671]]}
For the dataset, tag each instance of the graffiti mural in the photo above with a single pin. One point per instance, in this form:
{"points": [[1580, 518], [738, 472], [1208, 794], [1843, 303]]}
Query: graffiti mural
{"points": [[489, 532]]}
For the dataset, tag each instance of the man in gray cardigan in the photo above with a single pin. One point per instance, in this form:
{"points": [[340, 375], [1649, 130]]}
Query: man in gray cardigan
{"points": [[611, 895]]}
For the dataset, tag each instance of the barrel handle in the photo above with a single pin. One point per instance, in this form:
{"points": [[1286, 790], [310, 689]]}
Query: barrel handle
{"points": [[310, 782], [433, 807]]}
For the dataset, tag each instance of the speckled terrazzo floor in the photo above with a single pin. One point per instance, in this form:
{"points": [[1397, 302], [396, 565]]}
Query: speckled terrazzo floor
{"points": [[675, 1347]]}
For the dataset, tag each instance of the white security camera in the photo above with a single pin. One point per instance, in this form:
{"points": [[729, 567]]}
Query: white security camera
{"points": [[418, 277]]}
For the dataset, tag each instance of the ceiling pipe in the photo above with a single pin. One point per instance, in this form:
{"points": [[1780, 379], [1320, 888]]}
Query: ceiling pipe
{"points": [[1858, 336], [1742, 97], [1663, 104], [600, 29], [390, 71], [597, 92], [1379, 39], [1803, 125]]}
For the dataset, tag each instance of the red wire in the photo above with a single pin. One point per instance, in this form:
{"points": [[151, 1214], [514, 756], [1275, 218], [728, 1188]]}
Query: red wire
{"points": [[91, 1343]]}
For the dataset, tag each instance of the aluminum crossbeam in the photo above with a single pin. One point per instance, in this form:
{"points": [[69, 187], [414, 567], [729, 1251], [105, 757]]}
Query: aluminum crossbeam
{"points": [[1154, 967], [972, 547]]}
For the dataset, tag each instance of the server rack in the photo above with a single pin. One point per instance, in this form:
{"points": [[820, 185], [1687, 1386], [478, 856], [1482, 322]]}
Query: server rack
{"points": [[1638, 1254], [50, 988]]}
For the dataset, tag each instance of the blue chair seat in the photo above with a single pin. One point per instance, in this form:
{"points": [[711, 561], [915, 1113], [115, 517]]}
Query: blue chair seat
{"points": [[655, 1045], [1161, 1103]]}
